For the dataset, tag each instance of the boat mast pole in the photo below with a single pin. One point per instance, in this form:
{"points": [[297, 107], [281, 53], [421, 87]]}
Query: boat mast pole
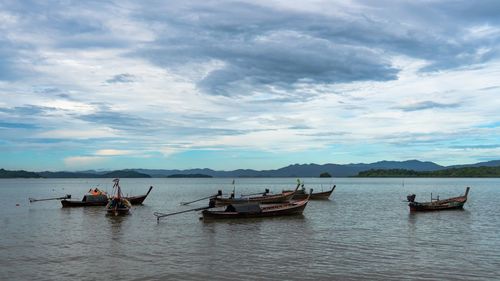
{"points": [[118, 189], [234, 189]]}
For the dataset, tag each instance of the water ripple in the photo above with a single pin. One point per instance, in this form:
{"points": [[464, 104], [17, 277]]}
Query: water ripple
{"points": [[364, 233]]}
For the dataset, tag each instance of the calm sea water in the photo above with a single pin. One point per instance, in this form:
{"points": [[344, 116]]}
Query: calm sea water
{"points": [[365, 232]]}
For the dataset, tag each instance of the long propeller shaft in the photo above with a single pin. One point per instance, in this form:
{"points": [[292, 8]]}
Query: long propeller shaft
{"points": [[68, 196], [159, 215]]}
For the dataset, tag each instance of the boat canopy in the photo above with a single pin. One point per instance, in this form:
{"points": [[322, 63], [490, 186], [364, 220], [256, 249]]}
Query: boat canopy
{"points": [[95, 198], [244, 208]]}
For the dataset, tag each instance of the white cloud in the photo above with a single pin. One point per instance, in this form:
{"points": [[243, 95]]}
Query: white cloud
{"points": [[482, 31], [168, 151], [82, 133], [167, 111], [113, 152], [83, 161]]}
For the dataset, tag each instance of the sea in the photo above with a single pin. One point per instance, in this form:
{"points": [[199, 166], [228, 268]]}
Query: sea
{"points": [[364, 232]]}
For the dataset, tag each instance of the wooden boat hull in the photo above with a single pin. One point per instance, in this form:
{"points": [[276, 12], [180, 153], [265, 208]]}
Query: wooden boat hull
{"points": [[455, 203], [88, 200], [120, 206], [73, 203], [288, 209], [428, 207], [266, 199], [301, 194], [137, 200], [117, 212]]}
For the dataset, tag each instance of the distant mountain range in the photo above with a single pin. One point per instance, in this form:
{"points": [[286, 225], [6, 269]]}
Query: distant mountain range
{"points": [[114, 174], [314, 170], [295, 170]]}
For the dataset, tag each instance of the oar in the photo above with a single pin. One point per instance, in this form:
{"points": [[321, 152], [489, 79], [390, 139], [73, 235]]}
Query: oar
{"points": [[162, 215], [219, 193], [68, 196]]}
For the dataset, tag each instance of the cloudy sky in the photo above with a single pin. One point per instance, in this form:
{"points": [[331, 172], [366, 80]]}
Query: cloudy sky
{"points": [[257, 84]]}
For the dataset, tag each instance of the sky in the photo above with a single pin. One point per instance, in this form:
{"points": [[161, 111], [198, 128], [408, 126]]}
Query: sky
{"points": [[247, 84]]}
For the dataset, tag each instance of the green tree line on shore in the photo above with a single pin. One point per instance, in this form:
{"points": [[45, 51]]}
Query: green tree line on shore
{"points": [[467, 172], [5, 174]]}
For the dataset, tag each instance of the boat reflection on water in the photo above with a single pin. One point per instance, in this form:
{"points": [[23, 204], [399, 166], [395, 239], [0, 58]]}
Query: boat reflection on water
{"points": [[252, 220]]}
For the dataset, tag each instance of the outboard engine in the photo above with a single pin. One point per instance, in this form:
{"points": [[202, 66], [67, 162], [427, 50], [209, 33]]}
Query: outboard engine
{"points": [[267, 191], [219, 192], [411, 198], [211, 203]]}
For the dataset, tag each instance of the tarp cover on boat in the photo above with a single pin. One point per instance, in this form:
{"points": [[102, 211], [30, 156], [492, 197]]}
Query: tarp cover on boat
{"points": [[244, 208], [95, 198], [96, 191]]}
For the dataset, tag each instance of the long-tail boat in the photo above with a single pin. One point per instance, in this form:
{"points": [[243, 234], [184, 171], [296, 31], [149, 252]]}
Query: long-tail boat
{"points": [[96, 197], [137, 200], [256, 210], [436, 204], [118, 205], [285, 196], [302, 194]]}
